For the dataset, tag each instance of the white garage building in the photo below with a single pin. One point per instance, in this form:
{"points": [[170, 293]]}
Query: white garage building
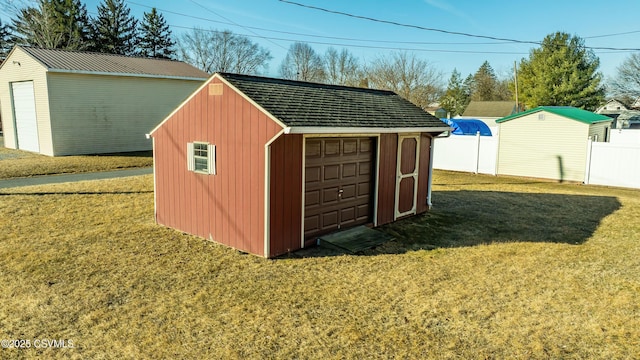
{"points": [[57, 102]]}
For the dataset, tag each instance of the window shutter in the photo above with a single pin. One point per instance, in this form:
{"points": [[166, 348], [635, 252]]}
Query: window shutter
{"points": [[211, 152], [190, 159]]}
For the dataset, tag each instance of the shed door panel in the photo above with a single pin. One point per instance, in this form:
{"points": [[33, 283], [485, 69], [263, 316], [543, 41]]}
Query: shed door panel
{"points": [[24, 106], [407, 175], [338, 183]]}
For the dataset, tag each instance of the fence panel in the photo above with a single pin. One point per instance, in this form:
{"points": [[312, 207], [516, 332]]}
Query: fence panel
{"points": [[467, 153], [614, 165], [624, 136]]}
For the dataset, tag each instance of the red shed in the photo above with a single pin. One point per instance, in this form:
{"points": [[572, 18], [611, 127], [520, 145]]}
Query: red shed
{"points": [[267, 165]]}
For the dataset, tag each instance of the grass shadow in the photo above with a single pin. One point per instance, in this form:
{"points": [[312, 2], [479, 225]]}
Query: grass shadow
{"points": [[469, 218]]}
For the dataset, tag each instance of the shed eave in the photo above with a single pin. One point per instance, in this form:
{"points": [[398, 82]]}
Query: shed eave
{"points": [[153, 76], [363, 130]]}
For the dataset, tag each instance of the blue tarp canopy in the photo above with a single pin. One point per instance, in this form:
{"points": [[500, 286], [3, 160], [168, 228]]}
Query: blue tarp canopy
{"points": [[468, 127]]}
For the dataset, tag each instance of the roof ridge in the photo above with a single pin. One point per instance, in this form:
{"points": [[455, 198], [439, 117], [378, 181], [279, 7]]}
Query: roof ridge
{"points": [[300, 82], [96, 53]]}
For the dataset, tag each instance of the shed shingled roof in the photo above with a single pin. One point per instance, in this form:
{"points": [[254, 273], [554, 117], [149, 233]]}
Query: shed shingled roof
{"points": [[306, 104], [90, 62]]}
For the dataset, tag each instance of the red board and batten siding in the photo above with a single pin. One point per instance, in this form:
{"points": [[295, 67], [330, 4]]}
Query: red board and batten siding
{"points": [[285, 202], [228, 207], [388, 154], [423, 178], [388, 148]]}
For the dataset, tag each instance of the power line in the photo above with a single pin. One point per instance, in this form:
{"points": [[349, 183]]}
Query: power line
{"points": [[438, 30], [364, 46], [246, 28], [319, 36], [409, 25]]}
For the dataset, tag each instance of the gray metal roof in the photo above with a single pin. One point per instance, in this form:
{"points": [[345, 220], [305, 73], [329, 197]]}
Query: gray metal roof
{"points": [[304, 104], [99, 63], [496, 109]]}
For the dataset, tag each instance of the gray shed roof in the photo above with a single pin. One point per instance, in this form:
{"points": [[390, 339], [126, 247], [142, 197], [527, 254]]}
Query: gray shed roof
{"points": [[109, 64], [495, 109], [304, 104]]}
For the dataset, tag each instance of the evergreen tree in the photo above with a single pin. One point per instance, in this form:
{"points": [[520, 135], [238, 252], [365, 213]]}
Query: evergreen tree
{"points": [[6, 41], [561, 72], [113, 30], [456, 98], [73, 22], [155, 36], [485, 83]]}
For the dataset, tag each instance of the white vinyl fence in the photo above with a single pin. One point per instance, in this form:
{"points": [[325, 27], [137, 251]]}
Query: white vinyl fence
{"points": [[614, 163], [469, 153]]}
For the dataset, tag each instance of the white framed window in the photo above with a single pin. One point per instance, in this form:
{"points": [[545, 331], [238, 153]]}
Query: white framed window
{"points": [[201, 157]]}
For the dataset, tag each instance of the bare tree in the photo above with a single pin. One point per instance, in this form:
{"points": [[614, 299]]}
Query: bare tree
{"points": [[223, 51], [37, 26], [55, 24], [302, 63], [342, 68], [403, 73], [626, 84]]}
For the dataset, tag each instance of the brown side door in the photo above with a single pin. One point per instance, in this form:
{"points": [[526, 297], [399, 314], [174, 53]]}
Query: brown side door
{"points": [[338, 184]]}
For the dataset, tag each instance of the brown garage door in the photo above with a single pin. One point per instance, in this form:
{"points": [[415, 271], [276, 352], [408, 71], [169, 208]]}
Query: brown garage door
{"points": [[338, 184]]}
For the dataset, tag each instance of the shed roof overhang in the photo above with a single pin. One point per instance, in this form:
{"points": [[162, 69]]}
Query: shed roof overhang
{"points": [[151, 76], [362, 130]]}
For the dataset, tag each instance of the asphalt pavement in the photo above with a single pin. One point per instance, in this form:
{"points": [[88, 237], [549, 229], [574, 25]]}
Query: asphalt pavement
{"points": [[64, 178]]}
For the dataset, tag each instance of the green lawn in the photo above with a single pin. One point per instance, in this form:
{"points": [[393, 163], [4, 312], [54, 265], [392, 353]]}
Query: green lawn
{"points": [[501, 268], [17, 163]]}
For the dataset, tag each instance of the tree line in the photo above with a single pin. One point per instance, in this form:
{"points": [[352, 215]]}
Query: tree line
{"points": [[65, 24], [561, 71]]}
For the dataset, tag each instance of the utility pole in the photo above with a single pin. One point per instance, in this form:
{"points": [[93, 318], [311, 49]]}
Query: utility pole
{"points": [[515, 75]]}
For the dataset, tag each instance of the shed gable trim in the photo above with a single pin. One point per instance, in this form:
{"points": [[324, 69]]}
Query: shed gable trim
{"points": [[275, 119], [16, 48], [206, 84]]}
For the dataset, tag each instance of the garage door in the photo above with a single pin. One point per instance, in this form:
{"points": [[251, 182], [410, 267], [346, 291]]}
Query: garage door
{"points": [[338, 184], [24, 107]]}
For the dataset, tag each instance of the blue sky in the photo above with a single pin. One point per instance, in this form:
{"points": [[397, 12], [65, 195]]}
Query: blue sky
{"points": [[276, 25]]}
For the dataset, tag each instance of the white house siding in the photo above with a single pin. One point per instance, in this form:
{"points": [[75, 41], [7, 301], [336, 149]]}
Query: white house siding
{"points": [[598, 131], [533, 147], [102, 114], [28, 70]]}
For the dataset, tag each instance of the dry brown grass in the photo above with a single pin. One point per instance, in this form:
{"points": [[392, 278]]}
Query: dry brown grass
{"points": [[86, 262], [18, 163]]}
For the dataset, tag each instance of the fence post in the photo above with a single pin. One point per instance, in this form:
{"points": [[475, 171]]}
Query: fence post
{"points": [[587, 170], [477, 152]]}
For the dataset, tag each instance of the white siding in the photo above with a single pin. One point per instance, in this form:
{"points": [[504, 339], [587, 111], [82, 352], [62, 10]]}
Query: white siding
{"points": [[103, 114], [21, 67], [598, 131], [553, 147]]}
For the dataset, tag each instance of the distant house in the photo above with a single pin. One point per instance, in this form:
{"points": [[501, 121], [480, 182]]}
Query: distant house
{"points": [[57, 102], [489, 111], [612, 105], [624, 117], [549, 142], [267, 165]]}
